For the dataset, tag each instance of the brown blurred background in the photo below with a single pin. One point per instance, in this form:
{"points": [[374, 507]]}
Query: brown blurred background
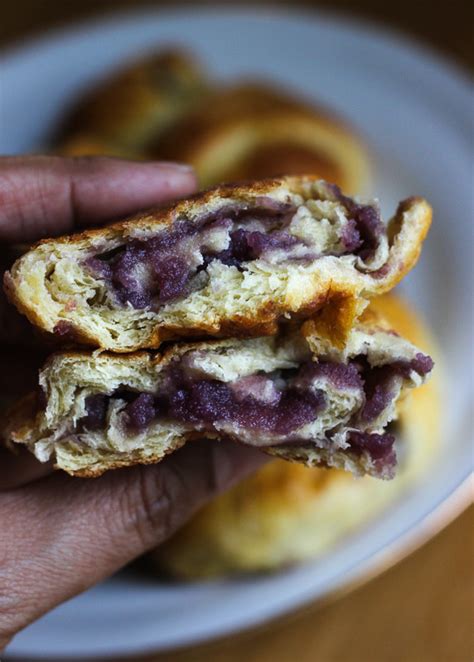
{"points": [[422, 610], [448, 26]]}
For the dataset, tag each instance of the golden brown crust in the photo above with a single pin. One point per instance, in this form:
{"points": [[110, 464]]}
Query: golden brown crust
{"points": [[167, 214], [335, 318], [416, 214]]}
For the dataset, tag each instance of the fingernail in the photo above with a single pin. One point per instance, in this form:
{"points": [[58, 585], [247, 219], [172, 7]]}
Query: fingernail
{"points": [[180, 167]]}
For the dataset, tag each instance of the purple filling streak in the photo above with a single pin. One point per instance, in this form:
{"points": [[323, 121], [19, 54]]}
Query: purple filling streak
{"points": [[422, 364], [380, 448], [380, 382], [251, 402], [141, 412], [96, 407], [378, 445], [156, 271], [261, 403], [246, 246], [379, 385], [351, 236], [209, 402], [262, 207], [171, 276], [365, 227], [153, 272]]}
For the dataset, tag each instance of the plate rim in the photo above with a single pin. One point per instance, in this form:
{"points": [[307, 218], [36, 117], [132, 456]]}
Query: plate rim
{"points": [[443, 514], [450, 505], [420, 46]]}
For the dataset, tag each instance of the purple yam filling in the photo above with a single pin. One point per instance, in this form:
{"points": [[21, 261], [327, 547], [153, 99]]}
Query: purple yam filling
{"points": [[365, 227], [156, 271], [380, 448], [381, 381], [152, 272], [96, 407], [248, 245], [206, 402], [272, 404], [341, 375]]}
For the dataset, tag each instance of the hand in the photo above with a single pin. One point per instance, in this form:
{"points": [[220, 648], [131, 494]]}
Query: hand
{"points": [[60, 535]]}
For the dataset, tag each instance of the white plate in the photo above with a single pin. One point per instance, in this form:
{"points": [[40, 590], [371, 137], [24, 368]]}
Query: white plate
{"points": [[415, 111]]}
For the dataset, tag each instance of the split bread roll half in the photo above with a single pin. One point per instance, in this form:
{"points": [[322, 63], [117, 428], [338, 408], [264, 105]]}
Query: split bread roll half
{"points": [[236, 260], [253, 130], [287, 513], [136, 105], [294, 396]]}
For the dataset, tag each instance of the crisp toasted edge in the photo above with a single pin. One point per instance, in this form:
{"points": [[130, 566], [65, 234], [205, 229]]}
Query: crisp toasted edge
{"points": [[167, 214], [409, 225]]}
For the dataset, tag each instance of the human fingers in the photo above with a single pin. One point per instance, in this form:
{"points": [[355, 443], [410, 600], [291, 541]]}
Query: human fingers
{"points": [[61, 535], [49, 195]]}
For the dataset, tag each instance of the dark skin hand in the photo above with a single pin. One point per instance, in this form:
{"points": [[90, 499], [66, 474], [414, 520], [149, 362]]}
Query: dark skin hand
{"points": [[60, 535]]}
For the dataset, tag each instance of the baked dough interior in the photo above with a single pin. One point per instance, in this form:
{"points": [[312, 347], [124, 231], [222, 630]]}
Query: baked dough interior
{"points": [[157, 271], [265, 392], [225, 260]]}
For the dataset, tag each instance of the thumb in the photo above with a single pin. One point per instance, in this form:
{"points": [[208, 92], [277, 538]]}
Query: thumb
{"points": [[42, 196], [61, 535]]}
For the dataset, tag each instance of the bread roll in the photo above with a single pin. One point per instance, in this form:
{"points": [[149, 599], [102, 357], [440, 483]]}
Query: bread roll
{"points": [[252, 130]]}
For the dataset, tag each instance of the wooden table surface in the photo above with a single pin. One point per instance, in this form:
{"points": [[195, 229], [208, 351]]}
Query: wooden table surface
{"points": [[421, 610]]}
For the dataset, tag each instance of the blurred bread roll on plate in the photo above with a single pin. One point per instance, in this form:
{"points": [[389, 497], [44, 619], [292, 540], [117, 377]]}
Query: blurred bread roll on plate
{"points": [[122, 114], [252, 130]]}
